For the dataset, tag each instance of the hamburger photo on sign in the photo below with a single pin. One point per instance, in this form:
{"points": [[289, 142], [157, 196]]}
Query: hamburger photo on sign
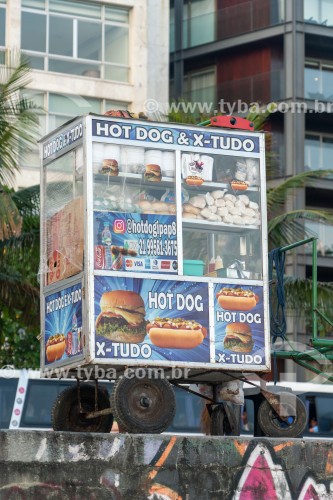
{"points": [[122, 317], [238, 337]]}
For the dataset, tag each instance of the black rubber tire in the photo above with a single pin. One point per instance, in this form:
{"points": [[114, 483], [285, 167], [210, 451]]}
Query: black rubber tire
{"points": [[143, 406], [66, 416], [273, 426]]}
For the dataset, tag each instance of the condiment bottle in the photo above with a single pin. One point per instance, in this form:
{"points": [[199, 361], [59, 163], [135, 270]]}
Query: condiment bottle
{"points": [[218, 263], [211, 265]]}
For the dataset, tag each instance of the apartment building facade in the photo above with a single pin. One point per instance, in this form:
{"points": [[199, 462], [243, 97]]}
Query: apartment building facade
{"points": [[231, 52], [87, 56]]}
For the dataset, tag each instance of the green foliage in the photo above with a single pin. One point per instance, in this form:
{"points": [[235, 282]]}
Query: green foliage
{"points": [[19, 222], [19, 345]]}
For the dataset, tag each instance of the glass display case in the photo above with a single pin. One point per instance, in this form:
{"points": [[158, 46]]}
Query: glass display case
{"points": [[154, 246]]}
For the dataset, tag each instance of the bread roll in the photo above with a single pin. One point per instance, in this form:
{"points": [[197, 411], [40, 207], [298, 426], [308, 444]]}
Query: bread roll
{"points": [[223, 211], [144, 204], [249, 212], [159, 206], [209, 199], [187, 207], [234, 211], [229, 204], [218, 194], [244, 198], [172, 208], [205, 212], [253, 205], [187, 215], [230, 197], [228, 219], [198, 201], [213, 209], [213, 218], [238, 219], [219, 202]]}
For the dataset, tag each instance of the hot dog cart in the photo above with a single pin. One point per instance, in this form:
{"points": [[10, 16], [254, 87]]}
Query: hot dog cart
{"points": [[153, 251]]}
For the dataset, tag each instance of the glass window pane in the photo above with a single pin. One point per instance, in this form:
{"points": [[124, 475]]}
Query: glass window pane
{"points": [[73, 105], [61, 36], [2, 26], [34, 4], [311, 11], [312, 82], [33, 32], [116, 44], [73, 68], [115, 105], [35, 62], [91, 10], [89, 40], [327, 77], [312, 152], [116, 15], [116, 73], [327, 13], [327, 146]]}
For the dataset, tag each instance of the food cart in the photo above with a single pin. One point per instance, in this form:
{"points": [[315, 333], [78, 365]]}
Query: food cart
{"points": [[154, 264]]}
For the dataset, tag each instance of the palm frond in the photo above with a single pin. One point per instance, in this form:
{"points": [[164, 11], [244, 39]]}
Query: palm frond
{"points": [[289, 227], [276, 196]]}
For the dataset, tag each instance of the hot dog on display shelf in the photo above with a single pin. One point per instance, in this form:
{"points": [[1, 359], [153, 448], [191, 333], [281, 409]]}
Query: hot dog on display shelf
{"points": [[176, 333], [55, 347], [237, 299]]}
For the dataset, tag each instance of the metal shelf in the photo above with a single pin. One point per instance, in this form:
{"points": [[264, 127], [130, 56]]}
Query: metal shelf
{"points": [[213, 226]]}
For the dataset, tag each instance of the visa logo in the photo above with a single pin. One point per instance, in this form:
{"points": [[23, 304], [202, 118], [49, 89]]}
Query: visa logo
{"points": [[138, 263]]}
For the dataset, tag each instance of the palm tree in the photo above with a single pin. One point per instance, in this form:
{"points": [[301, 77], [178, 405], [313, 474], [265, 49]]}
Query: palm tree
{"points": [[18, 133], [19, 220]]}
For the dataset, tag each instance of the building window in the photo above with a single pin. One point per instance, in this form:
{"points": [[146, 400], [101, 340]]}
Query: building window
{"points": [[199, 22], [318, 80], [318, 153], [2, 23], [76, 38], [318, 12], [200, 87]]}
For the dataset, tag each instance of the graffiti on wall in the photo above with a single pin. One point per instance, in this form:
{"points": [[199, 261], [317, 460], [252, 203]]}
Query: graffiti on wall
{"points": [[178, 468]]}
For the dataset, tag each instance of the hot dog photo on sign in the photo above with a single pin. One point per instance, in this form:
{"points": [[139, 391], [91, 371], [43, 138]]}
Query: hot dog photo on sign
{"points": [[151, 319], [239, 325]]}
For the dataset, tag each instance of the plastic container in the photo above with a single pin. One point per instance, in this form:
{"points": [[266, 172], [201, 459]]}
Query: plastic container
{"points": [[194, 267]]}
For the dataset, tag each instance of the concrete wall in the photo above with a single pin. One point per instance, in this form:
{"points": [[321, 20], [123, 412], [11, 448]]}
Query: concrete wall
{"points": [[51, 465]]}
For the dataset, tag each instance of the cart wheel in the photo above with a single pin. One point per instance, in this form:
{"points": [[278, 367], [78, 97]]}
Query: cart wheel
{"points": [[66, 416], [142, 405], [272, 425], [220, 425]]}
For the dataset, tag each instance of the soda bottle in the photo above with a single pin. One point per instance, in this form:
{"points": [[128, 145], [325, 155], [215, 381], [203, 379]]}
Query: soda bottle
{"points": [[107, 241], [75, 338]]}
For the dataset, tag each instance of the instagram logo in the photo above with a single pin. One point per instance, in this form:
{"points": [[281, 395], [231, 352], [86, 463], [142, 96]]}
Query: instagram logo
{"points": [[119, 226]]}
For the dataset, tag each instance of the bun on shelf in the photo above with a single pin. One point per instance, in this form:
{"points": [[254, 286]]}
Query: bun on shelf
{"points": [[194, 180]]}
